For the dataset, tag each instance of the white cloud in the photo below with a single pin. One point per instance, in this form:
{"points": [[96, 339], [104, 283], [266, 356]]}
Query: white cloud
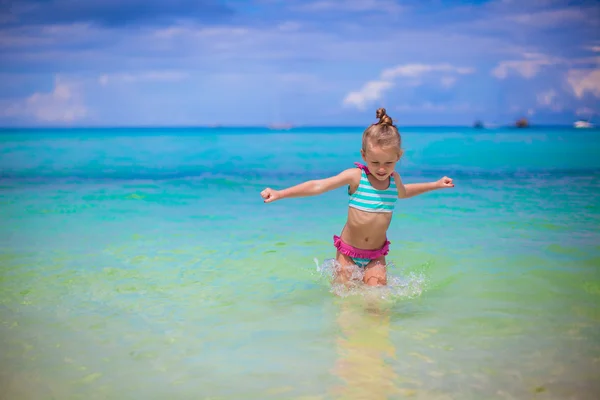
{"points": [[279, 84], [583, 81], [289, 26], [63, 104], [66, 29], [584, 112], [550, 18], [370, 92], [373, 90], [147, 76], [321, 44], [527, 68], [384, 6], [582, 77], [528, 17], [433, 107], [170, 32], [48, 36], [250, 46], [416, 70], [546, 98], [448, 81], [210, 33]]}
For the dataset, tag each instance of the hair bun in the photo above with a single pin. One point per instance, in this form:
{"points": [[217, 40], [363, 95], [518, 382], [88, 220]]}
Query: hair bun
{"points": [[384, 119]]}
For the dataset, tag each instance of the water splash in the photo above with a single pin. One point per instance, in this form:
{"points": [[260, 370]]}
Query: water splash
{"points": [[405, 285]]}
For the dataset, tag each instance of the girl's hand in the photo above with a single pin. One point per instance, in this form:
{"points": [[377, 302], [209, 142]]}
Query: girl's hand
{"points": [[270, 195], [445, 182]]}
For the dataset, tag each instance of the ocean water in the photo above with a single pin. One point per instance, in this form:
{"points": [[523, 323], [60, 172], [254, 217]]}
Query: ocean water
{"points": [[142, 263]]}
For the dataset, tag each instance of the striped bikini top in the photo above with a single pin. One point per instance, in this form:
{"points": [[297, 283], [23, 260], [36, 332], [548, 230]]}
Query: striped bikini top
{"points": [[367, 198]]}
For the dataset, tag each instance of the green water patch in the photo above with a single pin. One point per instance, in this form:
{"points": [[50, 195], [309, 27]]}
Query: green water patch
{"points": [[161, 319], [7, 202], [406, 216], [209, 217], [592, 287], [536, 224], [551, 226], [53, 364], [67, 208], [313, 242], [443, 282], [589, 312], [526, 260], [7, 257], [560, 286], [571, 251], [592, 263], [135, 196], [146, 196], [461, 209], [72, 270], [593, 209], [141, 186]]}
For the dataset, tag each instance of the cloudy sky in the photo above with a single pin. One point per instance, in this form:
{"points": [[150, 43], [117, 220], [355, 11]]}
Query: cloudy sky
{"points": [[311, 62]]}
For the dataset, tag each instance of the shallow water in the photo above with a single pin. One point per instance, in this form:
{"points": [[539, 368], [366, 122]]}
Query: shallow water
{"points": [[143, 264]]}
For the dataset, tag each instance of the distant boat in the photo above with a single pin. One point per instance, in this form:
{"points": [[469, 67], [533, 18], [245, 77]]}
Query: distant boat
{"points": [[522, 123], [281, 127], [583, 124], [478, 125]]}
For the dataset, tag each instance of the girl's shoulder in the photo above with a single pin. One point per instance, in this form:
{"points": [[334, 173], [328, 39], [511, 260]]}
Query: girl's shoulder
{"points": [[353, 176], [353, 173]]}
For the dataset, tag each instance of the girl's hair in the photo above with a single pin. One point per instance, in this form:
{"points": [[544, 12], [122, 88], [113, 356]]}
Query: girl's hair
{"points": [[383, 133]]}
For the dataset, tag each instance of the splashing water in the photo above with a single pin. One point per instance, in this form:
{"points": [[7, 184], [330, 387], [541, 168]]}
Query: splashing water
{"points": [[408, 285]]}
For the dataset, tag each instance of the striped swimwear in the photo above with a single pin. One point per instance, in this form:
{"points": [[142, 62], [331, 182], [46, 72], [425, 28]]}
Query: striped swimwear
{"points": [[369, 199]]}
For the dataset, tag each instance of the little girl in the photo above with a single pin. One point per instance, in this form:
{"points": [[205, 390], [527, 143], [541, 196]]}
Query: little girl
{"points": [[373, 190]]}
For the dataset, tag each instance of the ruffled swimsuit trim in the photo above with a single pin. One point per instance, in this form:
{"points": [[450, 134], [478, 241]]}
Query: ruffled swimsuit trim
{"points": [[354, 252]]}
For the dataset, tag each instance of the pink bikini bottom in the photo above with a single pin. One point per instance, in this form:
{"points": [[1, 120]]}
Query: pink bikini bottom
{"points": [[360, 257]]}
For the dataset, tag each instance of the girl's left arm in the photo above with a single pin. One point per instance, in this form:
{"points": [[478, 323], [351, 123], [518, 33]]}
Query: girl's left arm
{"points": [[414, 189]]}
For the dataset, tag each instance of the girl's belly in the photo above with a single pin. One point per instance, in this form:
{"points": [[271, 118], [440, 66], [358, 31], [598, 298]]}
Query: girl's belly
{"points": [[365, 230]]}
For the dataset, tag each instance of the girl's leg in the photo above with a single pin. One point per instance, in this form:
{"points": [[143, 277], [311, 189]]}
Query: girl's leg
{"points": [[376, 272], [343, 271]]}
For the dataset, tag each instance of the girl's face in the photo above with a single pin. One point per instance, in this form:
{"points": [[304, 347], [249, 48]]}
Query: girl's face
{"points": [[381, 161]]}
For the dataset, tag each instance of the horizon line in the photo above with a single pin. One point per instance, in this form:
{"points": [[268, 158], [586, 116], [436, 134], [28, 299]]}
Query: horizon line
{"points": [[273, 128]]}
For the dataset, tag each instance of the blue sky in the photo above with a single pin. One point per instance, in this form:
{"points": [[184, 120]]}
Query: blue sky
{"points": [[306, 62]]}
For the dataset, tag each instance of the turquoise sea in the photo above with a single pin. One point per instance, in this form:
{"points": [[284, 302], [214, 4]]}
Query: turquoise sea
{"points": [[143, 264]]}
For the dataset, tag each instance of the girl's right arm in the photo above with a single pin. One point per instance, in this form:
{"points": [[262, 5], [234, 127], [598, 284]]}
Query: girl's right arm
{"points": [[312, 188]]}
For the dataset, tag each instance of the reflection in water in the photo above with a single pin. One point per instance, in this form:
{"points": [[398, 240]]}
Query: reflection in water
{"points": [[363, 347]]}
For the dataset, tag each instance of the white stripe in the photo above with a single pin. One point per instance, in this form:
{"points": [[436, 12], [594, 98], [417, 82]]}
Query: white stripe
{"points": [[366, 181], [367, 184], [387, 203], [370, 209], [376, 195]]}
